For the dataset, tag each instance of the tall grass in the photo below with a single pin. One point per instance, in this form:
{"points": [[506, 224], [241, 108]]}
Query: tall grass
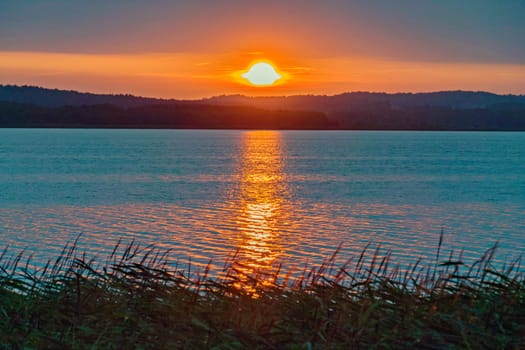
{"points": [[133, 300]]}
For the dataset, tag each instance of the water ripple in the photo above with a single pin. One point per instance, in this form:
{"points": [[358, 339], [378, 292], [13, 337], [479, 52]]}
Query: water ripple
{"points": [[269, 202]]}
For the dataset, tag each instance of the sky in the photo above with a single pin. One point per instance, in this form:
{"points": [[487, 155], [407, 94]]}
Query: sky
{"points": [[194, 49]]}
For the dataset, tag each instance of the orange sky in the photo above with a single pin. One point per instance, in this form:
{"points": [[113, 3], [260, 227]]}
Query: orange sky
{"points": [[192, 49], [201, 75]]}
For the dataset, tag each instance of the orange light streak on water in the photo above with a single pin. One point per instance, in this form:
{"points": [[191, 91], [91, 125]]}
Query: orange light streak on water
{"points": [[262, 198]]}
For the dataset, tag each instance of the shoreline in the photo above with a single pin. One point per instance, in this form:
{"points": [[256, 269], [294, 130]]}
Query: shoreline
{"points": [[134, 300]]}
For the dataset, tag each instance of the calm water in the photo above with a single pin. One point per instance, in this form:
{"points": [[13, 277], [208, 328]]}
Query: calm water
{"points": [[289, 196]]}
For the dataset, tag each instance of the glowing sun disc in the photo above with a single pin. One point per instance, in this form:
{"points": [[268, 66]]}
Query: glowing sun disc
{"points": [[261, 74]]}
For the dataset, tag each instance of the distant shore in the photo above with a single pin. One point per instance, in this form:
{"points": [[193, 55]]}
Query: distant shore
{"points": [[32, 107], [14, 115]]}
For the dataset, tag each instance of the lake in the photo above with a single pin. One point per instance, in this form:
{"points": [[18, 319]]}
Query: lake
{"points": [[271, 196]]}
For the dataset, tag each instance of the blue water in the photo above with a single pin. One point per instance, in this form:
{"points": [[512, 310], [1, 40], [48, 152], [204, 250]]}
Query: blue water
{"points": [[288, 196]]}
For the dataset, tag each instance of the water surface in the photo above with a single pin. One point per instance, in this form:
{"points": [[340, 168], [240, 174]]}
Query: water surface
{"points": [[288, 196]]}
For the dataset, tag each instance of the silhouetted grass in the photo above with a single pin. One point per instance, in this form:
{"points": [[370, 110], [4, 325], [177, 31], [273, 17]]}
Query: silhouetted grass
{"points": [[134, 301]]}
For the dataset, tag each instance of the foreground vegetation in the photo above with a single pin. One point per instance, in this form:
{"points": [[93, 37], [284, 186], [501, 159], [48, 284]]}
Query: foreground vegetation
{"points": [[134, 301]]}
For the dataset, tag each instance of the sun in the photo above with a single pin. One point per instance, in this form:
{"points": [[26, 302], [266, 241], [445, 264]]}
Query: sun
{"points": [[261, 73]]}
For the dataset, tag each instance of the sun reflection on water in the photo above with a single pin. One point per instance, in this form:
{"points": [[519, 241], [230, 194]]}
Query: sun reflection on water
{"points": [[262, 212]]}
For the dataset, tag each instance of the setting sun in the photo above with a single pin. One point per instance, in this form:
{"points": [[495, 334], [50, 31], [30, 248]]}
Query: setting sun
{"points": [[261, 74]]}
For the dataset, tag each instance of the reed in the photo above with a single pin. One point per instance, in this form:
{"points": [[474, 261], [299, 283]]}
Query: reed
{"points": [[133, 300]]}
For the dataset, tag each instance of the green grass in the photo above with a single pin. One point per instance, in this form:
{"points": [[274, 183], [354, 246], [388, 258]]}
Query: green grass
{"points": [[134, 301]]}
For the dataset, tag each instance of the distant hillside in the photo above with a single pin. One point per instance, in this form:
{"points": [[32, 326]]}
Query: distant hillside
{"points": [[328, 104], [364, 101], [449, 110], [183, 116], [57, 98]]}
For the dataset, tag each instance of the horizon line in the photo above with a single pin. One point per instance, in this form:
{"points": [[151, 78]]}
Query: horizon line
{"points": [[257, 96]]}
